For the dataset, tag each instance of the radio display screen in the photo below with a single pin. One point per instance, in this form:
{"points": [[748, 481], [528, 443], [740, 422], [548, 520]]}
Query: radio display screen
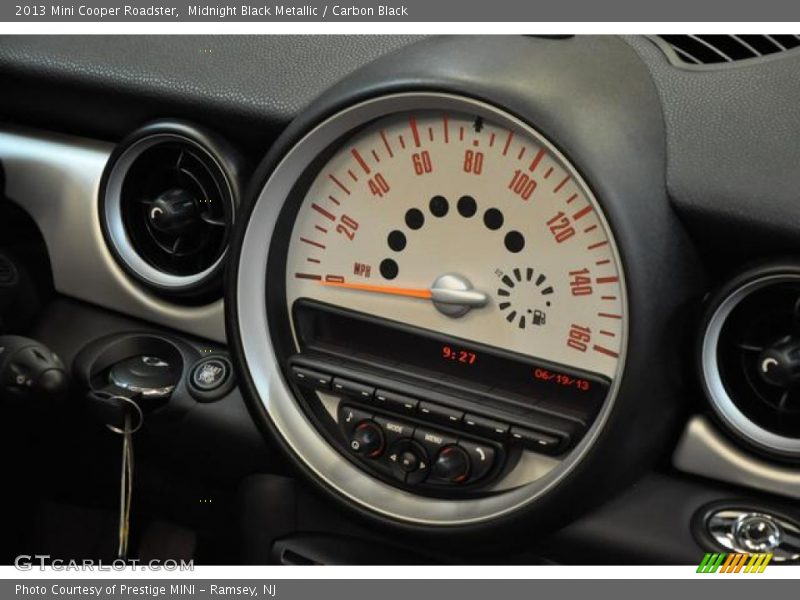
{"points": [[353, 335]]}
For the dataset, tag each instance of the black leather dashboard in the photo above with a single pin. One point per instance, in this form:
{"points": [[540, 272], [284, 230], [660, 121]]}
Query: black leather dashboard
{"points": [[729, 144], [248, 86], [732, 150], [722, 156]]}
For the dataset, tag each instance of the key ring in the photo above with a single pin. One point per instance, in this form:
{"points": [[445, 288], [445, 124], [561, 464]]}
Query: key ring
{"points": [[138, 410]]}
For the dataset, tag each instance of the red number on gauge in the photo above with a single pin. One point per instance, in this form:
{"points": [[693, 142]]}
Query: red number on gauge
{"points": [[378, 185], [422, 162], [347, 227], [560, 227], [580, 283], [579, 337], [522, 185], [473, 162]]}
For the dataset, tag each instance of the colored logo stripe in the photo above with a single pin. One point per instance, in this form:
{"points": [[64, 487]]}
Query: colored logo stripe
{"points": [[734, 563], [711, 562]]}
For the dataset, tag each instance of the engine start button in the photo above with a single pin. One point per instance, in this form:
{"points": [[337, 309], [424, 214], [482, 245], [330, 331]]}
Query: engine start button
{"points": [[210, 374], [211, 378]]}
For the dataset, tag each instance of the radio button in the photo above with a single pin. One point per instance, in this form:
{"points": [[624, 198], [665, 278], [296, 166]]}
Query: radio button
{"points": [[537, 441], [350, 417], [481, 458], [433, 441], [394, 430], [441, 413], [409, 461], [353, 388], [311, 378], [487, 427], [394, 401]]}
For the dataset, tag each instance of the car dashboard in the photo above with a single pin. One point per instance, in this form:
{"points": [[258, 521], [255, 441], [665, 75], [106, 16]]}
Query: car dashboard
{"points": [[386, 299]]}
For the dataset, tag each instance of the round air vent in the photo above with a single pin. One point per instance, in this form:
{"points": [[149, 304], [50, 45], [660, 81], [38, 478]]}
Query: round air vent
{"points": [[167, 207], [750, 358]]}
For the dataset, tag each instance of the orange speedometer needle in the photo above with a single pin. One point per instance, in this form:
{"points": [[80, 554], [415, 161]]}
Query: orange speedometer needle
{"points": [[451, 294], [423, 293]]}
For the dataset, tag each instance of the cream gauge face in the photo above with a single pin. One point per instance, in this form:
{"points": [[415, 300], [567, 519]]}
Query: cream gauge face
{"points": [[459, 225]]}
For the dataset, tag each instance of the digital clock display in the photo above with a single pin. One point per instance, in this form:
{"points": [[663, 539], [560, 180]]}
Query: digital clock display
{"points": [[455, 354]]}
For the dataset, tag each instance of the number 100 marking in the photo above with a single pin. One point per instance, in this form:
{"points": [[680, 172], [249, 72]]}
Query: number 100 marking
{"points": [[522, 185]]}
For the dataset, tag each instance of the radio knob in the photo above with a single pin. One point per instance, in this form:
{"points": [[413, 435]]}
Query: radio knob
{"points": [[367, 439], [452, 464]]}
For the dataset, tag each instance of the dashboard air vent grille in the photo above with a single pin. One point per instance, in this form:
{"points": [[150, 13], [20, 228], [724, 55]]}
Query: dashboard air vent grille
{"points": [[714, 49], [766, 319], [751, 359]]}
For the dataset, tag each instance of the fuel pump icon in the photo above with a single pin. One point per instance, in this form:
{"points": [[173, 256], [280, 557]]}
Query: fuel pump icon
{"points": [[539, 317]]}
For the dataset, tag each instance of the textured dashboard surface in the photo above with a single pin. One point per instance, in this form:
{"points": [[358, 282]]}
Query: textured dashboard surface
{"points": [[732, 132], [733, 157], [104, 86]]}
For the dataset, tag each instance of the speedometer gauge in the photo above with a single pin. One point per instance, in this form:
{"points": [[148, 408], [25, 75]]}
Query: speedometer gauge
{"points": [[457, 223], [445, 307]]}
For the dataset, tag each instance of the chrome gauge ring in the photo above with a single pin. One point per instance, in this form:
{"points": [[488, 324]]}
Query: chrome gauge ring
{"points": [[453, 218]]}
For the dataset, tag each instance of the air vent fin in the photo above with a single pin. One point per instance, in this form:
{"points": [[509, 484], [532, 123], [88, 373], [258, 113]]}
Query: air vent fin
{"points": [[175, 209], [715, 49]]}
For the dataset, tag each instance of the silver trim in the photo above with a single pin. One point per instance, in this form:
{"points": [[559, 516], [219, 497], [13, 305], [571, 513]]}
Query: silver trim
{"points": [[454, 296], [720, 400], [703, 450], [56, 179], [764, 524], [261, 361], [115, 226], [147, 392], [727, 527]]}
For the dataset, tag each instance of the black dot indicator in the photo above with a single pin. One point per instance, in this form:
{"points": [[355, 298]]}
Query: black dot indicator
{"points": [[439, 206], [467, 206], [493, 219], [389, 268], [514, 241], [397, 240], [414, 218]]}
